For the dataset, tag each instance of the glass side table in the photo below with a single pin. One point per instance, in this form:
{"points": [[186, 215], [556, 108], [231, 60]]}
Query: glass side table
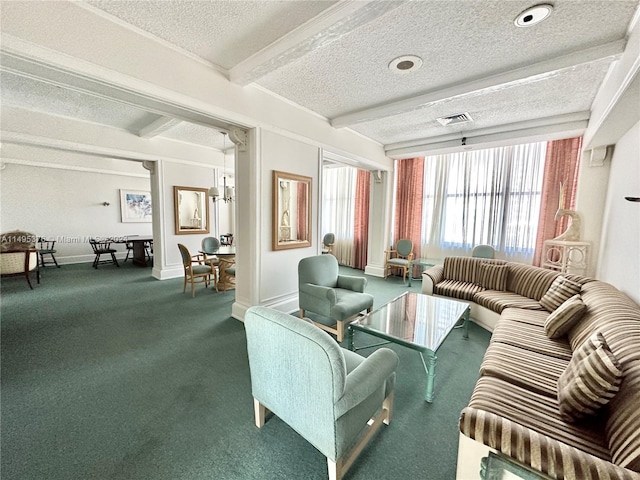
{"points": [[422, 263]]}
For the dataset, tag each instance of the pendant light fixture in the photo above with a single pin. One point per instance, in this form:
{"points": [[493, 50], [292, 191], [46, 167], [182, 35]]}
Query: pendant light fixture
{"points": [[214, 192]]}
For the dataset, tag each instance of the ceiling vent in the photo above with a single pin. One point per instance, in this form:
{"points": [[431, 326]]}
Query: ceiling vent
{"points": [[455, 119]]}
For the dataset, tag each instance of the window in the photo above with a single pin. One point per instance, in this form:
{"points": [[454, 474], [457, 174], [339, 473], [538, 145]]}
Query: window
{"points": [[483, 197]]}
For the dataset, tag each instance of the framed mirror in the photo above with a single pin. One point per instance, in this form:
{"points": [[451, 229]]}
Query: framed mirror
{"points": [[291, 211], [191, 210]]}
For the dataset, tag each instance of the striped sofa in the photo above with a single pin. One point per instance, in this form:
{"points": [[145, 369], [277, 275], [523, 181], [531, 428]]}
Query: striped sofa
{"points": [[515, 407]]}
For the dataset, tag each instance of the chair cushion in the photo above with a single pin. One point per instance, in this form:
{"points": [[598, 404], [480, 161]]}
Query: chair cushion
{"points": [[398, 261], [561, 290], [201, 269], [350, 303], [590, 381], [564, 317]]}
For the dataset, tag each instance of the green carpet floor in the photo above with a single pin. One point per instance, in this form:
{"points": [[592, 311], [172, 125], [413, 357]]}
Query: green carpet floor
{"points": [[110, 374]]}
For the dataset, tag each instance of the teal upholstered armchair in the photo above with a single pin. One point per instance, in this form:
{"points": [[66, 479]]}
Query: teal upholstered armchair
{"points": [[322, 290], [324, 392]]}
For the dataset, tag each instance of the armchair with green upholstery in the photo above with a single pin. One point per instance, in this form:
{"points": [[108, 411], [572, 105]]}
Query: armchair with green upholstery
{"points": [[322, 290], [324, 392]]}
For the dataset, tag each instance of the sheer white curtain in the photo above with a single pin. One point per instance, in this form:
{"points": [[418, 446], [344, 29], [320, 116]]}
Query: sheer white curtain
{"points": [[338, 209], [487, 196]]}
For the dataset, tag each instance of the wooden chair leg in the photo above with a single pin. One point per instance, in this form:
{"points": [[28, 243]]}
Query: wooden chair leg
{"points": [[335, 472], [387, 408], [339, 331], [301, 313], [259, 412]]}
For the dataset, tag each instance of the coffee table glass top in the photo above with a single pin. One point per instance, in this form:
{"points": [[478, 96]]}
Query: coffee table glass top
{"points": [[414, 319]]}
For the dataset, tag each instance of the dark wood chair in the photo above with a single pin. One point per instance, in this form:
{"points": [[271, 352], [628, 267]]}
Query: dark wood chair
{"points": [[47, 247], [103, 248]]}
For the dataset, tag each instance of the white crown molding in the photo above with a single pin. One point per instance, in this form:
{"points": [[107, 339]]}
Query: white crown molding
{"points": [[85, 148], [330, 25], [480, 86], [75, 168]]}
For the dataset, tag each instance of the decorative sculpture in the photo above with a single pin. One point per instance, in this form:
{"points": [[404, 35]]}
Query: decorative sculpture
{"points": [[572, 233]]}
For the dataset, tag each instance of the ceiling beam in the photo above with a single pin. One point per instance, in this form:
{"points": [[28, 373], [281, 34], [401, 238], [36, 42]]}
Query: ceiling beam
{"points": [[158, 127], [480, 86], [330, 25], [571, 124]]}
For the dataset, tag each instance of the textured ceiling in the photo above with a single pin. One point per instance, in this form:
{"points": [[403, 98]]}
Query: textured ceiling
{"points": [[222, 32], [332, 58]]}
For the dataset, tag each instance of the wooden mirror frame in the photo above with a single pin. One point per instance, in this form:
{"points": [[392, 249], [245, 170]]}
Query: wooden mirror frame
{"points": [[285, 230], [200, 220]]}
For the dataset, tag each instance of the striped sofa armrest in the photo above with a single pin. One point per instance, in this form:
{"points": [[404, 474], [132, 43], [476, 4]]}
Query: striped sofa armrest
{"points": [[545, 454], [431, 277]]}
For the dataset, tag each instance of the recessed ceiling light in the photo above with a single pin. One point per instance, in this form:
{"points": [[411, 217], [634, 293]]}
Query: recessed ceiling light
{"points": [[405, 64], [533, 15]]}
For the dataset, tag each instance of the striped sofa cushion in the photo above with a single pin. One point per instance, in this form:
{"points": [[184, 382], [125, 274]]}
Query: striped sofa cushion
{"points": [[465, 269], [529, 281], [530, 337], [492, 276], [564, 317], [531, 370], [590, 382], [540, 413], [607, 307], [561, 290], [457, 289], [498, 301], [542, 452]]}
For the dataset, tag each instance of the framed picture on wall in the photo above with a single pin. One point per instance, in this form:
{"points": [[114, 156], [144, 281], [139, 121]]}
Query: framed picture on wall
{"points": [[135, 206]]}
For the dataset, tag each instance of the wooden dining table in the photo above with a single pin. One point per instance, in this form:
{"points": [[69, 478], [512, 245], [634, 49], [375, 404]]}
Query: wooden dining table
{"points": [[139, 250], [226, 253]]}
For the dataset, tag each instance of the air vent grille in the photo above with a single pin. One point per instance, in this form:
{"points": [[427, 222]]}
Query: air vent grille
{"points": [[455, 119]]}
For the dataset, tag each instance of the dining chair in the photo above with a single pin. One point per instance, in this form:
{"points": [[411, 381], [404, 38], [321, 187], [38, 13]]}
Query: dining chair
{"points": [[483, 251], [195, 271], [209, 248], [103, 247], [399, 258], [47, 247], [327, 243], [226, 239]]}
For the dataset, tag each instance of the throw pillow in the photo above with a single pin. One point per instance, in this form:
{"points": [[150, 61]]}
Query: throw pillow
{"points": [[579, 354], [564, 317], [594, 381], [494, 277], [561, 290]]}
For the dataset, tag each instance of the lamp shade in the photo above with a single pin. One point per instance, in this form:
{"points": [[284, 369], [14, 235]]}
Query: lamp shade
{"points": [[228, 192], [214, 192]]}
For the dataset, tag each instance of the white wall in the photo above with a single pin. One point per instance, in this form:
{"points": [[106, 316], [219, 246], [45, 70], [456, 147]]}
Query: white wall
{"points": [[279, 269], [64, 202], [619, 263]]}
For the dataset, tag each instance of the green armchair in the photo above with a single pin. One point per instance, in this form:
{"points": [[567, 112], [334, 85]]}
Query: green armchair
{"points": [[322, 290], [334, 398]]}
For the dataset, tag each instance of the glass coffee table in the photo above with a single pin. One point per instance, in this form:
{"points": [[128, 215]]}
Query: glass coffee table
{"points": [[417, 321]]}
